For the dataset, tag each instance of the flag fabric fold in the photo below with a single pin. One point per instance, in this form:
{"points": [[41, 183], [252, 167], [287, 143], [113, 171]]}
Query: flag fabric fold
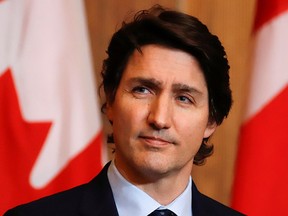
{"points": [[260, 185], [50, 125]]}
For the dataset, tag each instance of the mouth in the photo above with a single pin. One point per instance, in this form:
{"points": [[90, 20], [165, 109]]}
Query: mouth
{"points": [[155, 141]]}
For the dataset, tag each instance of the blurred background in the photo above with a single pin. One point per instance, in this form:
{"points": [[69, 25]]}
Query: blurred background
{"points": [[51, 128], [232, 22]]}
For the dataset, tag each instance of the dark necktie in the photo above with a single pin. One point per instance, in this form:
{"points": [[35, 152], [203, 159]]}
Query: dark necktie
{"points": [[162, 212]]}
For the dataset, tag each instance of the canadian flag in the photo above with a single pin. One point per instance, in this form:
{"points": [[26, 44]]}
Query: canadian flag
{"points": [[261, 180], [50, 124]]}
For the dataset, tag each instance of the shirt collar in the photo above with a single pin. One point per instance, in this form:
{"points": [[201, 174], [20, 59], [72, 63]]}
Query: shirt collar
{"points": [[130, 200]]}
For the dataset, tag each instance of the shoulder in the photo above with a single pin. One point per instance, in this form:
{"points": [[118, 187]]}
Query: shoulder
{"points": [[63, 203], [203, 205], [90, 197]]}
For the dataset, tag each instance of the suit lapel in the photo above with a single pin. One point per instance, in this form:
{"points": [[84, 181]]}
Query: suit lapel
{"points": [[195, 200], [98, 199]]}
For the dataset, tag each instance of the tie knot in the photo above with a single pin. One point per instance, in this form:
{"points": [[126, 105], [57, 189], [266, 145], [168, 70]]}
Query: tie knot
{"points": [[162, 212]]}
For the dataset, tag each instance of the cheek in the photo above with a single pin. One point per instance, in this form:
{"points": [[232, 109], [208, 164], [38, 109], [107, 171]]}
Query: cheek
{"points": [[192, 132], [121, 124], [126, 121]]}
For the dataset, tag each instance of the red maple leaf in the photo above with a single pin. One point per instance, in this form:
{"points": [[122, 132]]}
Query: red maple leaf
{"points": [[20, 144]]}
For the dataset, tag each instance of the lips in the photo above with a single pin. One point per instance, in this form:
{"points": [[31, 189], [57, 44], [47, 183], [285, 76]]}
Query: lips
{"points": [[156, 141]]}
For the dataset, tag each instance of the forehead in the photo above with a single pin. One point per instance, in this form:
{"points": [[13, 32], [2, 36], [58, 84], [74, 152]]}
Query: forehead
{"points": [[165, 65]]}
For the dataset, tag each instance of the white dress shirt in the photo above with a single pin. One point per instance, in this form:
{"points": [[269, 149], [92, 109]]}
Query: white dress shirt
{"points": [[131, 201]]}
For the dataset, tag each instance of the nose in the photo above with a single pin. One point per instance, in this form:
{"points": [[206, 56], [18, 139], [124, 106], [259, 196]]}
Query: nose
{"points": [[160, 113]]}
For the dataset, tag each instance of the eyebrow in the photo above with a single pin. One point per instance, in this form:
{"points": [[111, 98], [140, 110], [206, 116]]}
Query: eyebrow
{"points": [[153, 83], [149, 82], [186, 88]]}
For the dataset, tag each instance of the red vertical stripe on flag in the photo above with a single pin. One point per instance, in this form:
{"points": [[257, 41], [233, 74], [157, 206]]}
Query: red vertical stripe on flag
{"points": [[261, 180], [260, 185]]}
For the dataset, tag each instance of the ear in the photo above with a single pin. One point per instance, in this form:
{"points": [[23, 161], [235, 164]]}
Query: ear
{"points": [[210, 128], [109, 113]]}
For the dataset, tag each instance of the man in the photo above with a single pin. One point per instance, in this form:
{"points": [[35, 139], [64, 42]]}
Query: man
{"points": [[167, 88]]}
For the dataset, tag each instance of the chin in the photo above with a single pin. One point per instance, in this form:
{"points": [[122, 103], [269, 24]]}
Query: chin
{"points": [[156, 167]]}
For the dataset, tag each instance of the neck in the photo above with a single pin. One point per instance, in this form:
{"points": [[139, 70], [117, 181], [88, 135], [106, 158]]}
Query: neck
{"points": [[164, 188]]}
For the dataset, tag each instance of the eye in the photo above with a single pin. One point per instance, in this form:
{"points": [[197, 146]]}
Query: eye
{"points": [[185, 99], [141, 90]]}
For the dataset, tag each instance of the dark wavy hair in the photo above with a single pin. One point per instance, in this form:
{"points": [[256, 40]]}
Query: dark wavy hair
{"points": [[175, 30]]}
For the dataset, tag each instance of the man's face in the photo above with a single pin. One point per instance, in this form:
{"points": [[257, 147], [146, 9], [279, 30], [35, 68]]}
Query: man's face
{"points": [[160, 114]]}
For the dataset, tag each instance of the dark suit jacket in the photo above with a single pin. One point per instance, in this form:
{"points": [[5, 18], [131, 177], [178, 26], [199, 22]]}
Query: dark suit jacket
{"points": [[96, 199]]}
